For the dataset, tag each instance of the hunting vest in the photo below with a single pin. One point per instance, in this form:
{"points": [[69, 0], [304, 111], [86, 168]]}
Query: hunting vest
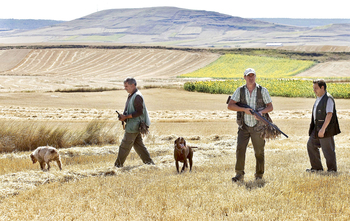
{"points": [[132, 124], [318, 120], [258, 106]]}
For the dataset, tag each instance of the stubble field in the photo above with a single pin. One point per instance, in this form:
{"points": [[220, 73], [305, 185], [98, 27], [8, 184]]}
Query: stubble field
{"points": [[89, 187], [52, 69]]}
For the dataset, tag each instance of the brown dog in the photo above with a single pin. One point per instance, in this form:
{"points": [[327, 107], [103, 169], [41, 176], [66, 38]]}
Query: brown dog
{"points": [[44, 155], [181, 153]]}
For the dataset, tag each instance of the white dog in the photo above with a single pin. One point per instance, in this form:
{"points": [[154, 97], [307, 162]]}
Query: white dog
{"points": [[46, 154]]}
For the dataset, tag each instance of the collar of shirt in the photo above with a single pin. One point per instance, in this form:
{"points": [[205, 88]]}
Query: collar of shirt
{"points": [[251, 98], [132, 93]]}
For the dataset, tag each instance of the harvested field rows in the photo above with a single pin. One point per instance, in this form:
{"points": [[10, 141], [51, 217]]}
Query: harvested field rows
{"points": [[50, 69]]}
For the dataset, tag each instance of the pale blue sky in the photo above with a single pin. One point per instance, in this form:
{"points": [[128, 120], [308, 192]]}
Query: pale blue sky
{"points": [[72, 9]]}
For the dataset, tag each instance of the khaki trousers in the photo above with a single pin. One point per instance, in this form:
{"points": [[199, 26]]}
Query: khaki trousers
{"points": [[243, 137], [129, 140]]}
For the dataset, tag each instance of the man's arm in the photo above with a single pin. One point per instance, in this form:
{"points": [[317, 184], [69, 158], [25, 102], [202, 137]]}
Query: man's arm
{"points": [[267, 109], [327, 120], [325, 124], [234, 107], [138, 104]]}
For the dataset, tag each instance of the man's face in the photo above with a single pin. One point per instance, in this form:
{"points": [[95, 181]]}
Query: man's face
{"points": [[129, 87], [318, 91], [250, 78]]}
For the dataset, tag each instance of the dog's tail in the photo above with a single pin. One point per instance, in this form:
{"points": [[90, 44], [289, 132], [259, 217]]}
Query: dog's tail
{"points": [[192, 147]]}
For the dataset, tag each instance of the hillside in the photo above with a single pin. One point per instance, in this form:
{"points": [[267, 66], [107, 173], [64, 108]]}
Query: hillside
{"points": [[160, 26], [170, 26]]}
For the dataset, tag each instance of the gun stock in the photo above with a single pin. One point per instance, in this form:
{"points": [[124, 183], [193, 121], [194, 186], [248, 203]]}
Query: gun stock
{"points": [[123, 123], [228, 99]]}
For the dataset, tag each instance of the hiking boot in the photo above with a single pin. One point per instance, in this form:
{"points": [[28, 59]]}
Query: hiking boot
{"points": [[238, 177], [258, 178], [313, 170], [117, 165], [150, 163]]}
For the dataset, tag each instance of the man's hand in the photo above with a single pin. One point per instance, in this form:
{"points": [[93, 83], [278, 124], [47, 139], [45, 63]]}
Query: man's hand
{"points": [[325, 124], [247, 111], [256, 118], [321, 132], [124, 117]]}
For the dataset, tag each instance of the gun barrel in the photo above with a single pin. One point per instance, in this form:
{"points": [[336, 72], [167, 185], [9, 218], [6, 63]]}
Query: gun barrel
{"points": [[260, 117]]}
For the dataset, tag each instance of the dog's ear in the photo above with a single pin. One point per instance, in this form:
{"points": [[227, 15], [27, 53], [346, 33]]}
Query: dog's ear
{"points": [[33, 158]]}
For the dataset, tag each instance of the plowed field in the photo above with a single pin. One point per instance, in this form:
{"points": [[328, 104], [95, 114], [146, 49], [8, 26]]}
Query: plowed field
{"points": [[50, 69]]}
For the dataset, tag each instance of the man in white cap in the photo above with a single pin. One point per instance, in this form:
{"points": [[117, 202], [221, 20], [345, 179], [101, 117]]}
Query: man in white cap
{"points": [[258, 98]]}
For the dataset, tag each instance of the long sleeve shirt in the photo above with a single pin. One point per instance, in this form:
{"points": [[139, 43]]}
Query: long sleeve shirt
{"points": [[138, 105]]}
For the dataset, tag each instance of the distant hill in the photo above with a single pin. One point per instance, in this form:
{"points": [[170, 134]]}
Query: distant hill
{"points": [[170, 26], [304, 22], [25, 24]]}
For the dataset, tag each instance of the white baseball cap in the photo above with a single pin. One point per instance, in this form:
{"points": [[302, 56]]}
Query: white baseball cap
{"points": [[249, 71]]}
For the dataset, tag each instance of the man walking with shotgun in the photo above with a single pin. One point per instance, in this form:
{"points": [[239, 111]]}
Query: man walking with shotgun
{"points": [[258, 98], [137, 121], [324, 126]]}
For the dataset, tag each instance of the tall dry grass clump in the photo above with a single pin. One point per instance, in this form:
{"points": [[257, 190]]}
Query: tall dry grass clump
{"points": [[27, 136]]}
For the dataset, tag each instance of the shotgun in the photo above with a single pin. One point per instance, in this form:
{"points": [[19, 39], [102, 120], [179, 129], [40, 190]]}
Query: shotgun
{"points": [[123, 123], [253, 112]]}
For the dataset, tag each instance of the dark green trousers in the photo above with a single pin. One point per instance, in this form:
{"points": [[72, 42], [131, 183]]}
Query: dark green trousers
{"points": [[130, 140], [243, 137]]}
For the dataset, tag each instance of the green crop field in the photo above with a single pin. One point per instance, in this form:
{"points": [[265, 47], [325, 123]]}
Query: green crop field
{"points": [[233, 66], [273, 73], [276, 87]]}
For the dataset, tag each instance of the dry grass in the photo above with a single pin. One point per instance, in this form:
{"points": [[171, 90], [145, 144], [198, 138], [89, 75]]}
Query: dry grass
{"points": [[26, 136], [89, 187]]}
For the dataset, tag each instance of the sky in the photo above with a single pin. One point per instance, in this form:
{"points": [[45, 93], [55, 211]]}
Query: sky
{"points": [[67, 10]]}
